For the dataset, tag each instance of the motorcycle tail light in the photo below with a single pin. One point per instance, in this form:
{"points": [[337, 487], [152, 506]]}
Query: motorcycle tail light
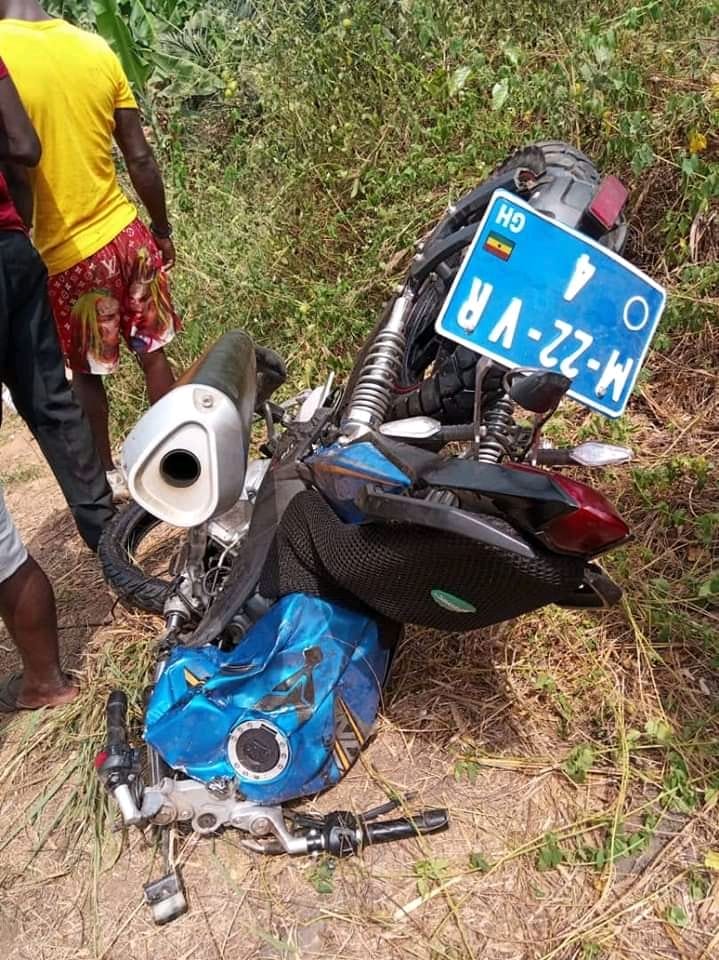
{"points": [[100, 759], [592, 528], [608, 202]]}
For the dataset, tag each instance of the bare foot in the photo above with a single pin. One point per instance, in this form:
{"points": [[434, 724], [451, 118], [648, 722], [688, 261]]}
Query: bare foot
{"points": [[55, 697], [20, 694]]}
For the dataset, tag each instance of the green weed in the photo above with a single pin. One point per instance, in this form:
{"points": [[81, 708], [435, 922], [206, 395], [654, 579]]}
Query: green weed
{"points": [[321, 877], [579, 763], [429, 874], [20, 475]]}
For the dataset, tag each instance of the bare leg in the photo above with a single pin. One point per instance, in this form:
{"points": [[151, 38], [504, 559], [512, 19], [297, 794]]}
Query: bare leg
{"points": [[158, 373], [90, 391], [27, 605]]}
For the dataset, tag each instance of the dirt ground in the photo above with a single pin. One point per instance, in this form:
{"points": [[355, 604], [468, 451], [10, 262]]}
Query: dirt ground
{"points": [[485, 892]]}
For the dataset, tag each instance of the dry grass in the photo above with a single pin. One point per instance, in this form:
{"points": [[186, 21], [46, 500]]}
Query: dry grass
{"points": [[486, 724], [578, 754]]}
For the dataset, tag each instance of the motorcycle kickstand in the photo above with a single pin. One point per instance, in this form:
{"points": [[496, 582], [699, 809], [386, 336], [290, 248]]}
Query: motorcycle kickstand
{"points": [[166, 896]]}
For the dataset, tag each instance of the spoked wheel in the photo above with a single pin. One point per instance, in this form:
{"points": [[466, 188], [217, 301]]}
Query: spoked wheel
{"points": [[136, 552]]}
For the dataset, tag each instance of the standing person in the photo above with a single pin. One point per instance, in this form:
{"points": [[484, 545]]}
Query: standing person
{"points": [[27, 607], [107, 269], [31, 364]]}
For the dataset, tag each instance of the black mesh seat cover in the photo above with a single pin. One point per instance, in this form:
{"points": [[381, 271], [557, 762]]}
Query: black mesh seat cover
{"points": [[393, 569]]}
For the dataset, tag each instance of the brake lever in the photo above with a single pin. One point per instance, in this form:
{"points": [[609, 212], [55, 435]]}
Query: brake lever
{"points": [[386, 807], [342, 833]]}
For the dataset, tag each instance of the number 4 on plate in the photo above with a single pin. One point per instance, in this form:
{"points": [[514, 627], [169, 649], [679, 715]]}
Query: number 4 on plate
{"points": [[584, 270]]}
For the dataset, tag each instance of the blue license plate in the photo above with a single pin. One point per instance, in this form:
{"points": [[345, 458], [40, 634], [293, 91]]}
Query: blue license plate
{"points": [[534, 293]]}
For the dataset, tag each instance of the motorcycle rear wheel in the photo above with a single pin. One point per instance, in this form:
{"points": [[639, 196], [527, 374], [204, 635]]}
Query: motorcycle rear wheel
{"points": [[118, 549]]}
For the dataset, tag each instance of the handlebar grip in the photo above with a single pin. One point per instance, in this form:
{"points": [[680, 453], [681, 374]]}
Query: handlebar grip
{"points": [[554, 456], [430, 821], [457, 432], [116, 714]]}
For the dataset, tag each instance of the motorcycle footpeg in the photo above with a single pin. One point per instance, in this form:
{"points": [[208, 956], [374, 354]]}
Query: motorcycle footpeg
{"points": [[166, 898]]}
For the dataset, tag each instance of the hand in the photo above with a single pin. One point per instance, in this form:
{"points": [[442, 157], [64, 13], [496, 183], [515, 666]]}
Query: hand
{"points": [[167, 251]]}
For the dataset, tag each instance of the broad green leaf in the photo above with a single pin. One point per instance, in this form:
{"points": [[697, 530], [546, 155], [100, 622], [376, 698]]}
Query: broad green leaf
{"points": [[322, 877], [676, 915], [711, 860], [142, 25], [500, 92], [478, 861], [186, 79], [658, 730], [458, 80], [512, 53], [111, 25], [550, 855], [710, 587], [698, 885], [579, 762]]}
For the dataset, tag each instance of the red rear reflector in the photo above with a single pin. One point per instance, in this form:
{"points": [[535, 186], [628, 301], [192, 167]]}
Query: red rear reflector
{"points": [[590, 529], [100, 759], [609, 202]]}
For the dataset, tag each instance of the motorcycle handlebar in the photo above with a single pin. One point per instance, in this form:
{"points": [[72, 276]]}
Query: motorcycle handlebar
{"points": [[387, 831], [116, 714], [554, 456], [457, 432]]}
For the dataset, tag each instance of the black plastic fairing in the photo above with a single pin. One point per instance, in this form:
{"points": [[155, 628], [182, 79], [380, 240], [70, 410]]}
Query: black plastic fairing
{"points": [[377, 504], [527, 498], [595, 591], [539, 391], [439, 251]]}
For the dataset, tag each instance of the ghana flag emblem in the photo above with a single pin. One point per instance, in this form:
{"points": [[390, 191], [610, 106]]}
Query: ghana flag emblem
{"points": [[498, 245]]}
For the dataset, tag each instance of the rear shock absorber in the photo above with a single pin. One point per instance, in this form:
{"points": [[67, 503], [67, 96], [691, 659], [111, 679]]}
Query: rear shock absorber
{"points": [[497, 425], [381, 370]]}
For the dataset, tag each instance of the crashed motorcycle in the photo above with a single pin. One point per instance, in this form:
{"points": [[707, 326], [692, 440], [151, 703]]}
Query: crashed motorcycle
{"points": [[421, 492]]}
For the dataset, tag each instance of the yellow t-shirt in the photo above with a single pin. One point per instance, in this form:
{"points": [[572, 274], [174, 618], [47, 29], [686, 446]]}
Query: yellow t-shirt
{"points": [[71, 84]]}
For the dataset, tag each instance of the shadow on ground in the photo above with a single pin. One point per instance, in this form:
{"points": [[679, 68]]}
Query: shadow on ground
{"points": [[444, 686]]}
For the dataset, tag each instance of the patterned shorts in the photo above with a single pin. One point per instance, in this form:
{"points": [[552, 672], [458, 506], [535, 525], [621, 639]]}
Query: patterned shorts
{"points": [[120, 290]]}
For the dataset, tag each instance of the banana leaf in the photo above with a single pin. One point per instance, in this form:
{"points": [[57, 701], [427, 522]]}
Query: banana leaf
{"points": [[112, 26]]}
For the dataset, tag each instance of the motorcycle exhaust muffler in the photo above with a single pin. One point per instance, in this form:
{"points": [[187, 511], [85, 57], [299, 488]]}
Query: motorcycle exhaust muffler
{"points": [[185, 459]]}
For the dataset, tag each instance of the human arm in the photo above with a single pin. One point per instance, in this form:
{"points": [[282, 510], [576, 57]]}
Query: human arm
{"points": [[18, 141], [145, 176], [18, 186]]}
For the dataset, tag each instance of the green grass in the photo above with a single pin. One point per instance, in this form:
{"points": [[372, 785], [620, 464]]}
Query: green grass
{"points": [[19, 475], [296, 202]]}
